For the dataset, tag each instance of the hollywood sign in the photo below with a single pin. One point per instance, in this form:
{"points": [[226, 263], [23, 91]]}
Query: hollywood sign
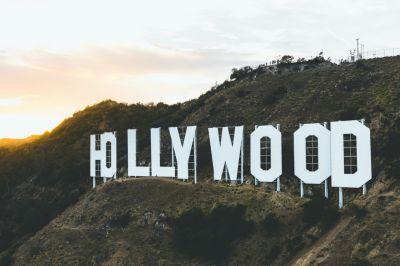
{"points": [[342, 153]]}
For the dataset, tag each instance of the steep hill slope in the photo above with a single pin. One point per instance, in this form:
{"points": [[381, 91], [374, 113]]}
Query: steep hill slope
{"points": [[157, 221], [39, 180], [366, 234], [10, 143]]}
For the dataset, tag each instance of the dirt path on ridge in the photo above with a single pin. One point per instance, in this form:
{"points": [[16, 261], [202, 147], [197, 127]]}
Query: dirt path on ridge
{"points": [[306, 257]]}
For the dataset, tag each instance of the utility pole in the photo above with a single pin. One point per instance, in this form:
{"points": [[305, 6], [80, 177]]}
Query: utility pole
{"points": [[362, 51], [358, 53]]}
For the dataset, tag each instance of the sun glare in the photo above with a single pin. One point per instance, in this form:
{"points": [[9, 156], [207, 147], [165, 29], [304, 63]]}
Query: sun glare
{"points": [[22, 126]]}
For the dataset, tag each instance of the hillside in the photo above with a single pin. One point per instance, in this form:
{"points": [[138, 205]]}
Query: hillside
{"points": [[157, 221], [10, 143], [39, 180], [135, 222]]}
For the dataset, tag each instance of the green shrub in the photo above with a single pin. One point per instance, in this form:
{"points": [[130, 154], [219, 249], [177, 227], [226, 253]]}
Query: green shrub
{"points": [[274, 96], [241, 93], [356, 210], [271, 225], [295, 244], [120, 221], [210, 236], [319, 211], [359, 262]]}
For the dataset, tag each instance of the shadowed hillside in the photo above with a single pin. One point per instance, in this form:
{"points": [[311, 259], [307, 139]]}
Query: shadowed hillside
{"points": [[146, 221], [39, 180], [10, 143], [157, 221]]}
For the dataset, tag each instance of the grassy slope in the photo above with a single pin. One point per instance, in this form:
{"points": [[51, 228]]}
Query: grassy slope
{"points": [[131, 222], [373, 235], [51, 173], [11, 143], [86, 233]]}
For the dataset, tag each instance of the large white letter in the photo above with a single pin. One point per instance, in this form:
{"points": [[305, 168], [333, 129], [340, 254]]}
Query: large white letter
{"points": [[156, 168], [224, 152], [274, 155], [133, 169], [351, 154], [104, 151], [312, 153], [182, 152]]}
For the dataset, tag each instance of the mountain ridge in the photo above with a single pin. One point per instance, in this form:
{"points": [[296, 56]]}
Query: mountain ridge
{"points": [[14, 142], [51, 173]]}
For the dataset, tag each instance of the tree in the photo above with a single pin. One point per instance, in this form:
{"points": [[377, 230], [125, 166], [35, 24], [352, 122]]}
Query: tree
{"points": [[286, 59], [301, 60], [240, 73]]}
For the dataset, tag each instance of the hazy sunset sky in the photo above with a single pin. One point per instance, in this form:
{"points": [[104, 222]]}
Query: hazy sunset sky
{"points": [[57, 57]]}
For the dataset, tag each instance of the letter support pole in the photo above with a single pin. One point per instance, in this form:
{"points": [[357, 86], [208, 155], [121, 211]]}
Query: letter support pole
{"points": [[94, 182], [242, 160], [278, 180], [301, 189], [173, 157], [326, 188], [301, 182], [255, 179], [195, 156], [365, 185], [116, 171], [340, 198], [326, 180]]}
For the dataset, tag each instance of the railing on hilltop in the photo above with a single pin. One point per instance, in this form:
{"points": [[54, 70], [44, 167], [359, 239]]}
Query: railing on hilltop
{"points": [[378, 53]]}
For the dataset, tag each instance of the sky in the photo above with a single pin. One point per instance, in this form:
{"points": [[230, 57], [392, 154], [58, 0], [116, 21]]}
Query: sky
{"points": [[57, 57]]}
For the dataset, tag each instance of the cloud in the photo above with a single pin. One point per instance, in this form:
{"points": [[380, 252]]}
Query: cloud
{"points": [[42, 83], [7, 102], [129, 60], [64, 82], [20, 126], [70, 54]]}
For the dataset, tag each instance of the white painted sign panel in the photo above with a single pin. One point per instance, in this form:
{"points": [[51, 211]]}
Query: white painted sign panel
{"points": [[351, 154], [182, 150], [156, 168], [312, 153], [344, 152], [275, 153], [133, 168], [103, 148], [225, 152]]}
